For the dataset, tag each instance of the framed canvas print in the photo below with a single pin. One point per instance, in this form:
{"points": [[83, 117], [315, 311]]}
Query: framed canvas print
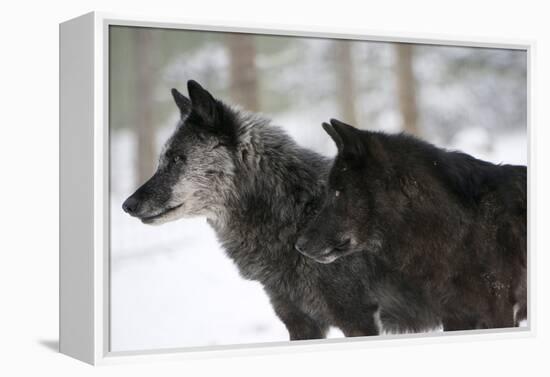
{"points": [[228, 189]]}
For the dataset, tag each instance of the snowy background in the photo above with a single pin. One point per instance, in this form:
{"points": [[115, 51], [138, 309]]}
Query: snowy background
{"points": [[172, 286]]}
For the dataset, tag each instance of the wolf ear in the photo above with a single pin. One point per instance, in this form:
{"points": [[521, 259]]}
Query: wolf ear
{"points": [[346, 137], [183, 103], [334, 135], [203, 103]]}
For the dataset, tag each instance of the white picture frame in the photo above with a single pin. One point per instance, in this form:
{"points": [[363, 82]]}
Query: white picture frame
{"points": [[84, 191]]}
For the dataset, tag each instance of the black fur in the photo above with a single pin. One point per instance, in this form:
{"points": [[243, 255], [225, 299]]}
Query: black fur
{"points": [[448, 228], [258, 190]]}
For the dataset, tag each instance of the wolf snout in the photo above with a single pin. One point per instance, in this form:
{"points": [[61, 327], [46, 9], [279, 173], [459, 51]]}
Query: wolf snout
{"points": [[131, 205]]}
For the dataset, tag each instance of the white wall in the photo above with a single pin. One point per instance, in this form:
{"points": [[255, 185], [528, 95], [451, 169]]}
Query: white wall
{"points": [[29, 183]]}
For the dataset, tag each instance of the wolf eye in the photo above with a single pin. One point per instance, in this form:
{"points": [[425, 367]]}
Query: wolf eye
{"points": [[177, 159], [337, 193]]}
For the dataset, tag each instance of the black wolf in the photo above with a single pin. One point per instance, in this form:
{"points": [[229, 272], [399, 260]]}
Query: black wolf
{"points": [[450, 226], [258, 190]]}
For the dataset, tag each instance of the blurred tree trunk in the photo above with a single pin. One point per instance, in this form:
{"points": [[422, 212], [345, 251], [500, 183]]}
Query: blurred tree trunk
{"points": [[243, 75], [345, 84], [406, 87], [143, 113]]}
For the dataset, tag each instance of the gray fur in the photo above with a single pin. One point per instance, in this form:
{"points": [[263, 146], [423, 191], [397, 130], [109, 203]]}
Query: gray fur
{"points": [[259, 189]]}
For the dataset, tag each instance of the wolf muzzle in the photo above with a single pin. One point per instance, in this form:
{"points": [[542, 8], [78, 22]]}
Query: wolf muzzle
{"points": [[131, 205]]}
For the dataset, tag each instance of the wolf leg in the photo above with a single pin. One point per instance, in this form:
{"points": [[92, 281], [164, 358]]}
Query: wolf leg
{"points": [[366, 324], [451, 323], [520, 314], [520, 298], [300, 326]]}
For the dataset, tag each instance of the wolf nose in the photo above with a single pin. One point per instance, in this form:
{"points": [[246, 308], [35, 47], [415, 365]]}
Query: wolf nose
{"points": [[130, 205]]}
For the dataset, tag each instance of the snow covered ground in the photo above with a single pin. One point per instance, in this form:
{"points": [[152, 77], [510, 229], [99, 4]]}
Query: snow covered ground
{"points": [[173, 286]]}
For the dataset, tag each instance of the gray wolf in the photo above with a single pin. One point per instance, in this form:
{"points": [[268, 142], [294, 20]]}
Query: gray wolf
{"points": [[258, 190]]}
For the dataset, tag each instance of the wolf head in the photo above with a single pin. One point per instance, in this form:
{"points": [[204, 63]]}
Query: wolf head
{"points": [[196, 166], [346, 223]]}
